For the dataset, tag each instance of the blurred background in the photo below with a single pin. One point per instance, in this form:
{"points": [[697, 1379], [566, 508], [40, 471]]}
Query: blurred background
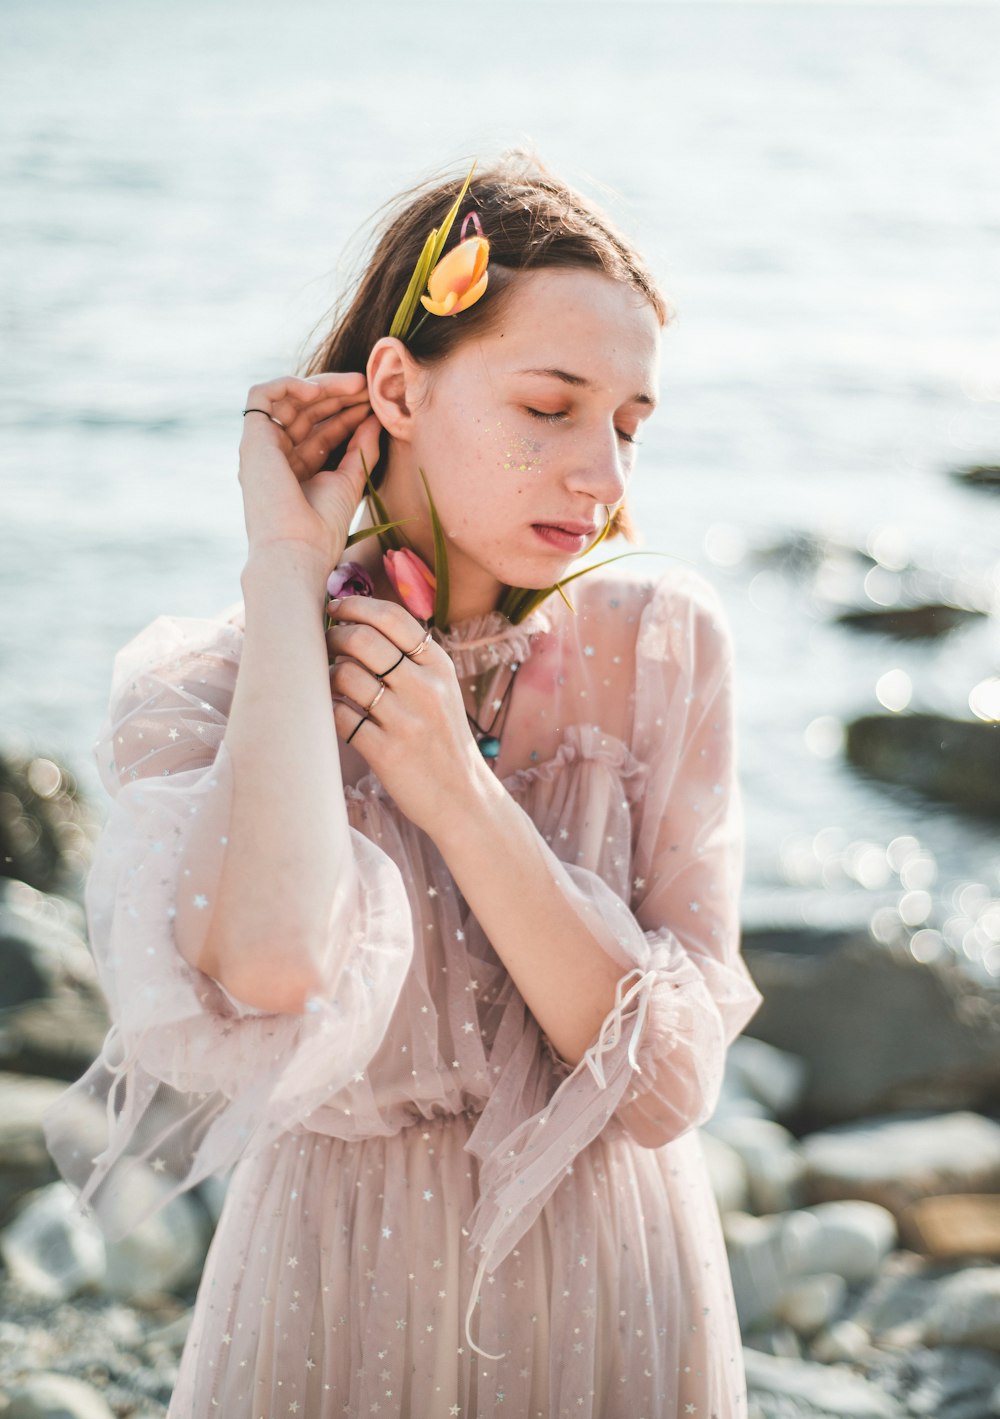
{"points": [[183, 187]]}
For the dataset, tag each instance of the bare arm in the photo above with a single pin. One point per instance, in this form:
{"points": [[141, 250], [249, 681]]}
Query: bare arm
{"points": [[288, 871]]}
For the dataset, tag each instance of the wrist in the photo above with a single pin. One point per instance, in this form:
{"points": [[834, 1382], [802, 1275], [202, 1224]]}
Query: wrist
{"points": [[284, 561], [474, 801]]}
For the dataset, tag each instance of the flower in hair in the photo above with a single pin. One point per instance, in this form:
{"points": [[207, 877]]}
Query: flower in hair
{"points": [[459, 279]]}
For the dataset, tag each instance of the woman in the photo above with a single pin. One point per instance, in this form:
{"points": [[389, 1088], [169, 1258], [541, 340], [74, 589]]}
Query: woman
{"points": [[447, 968]]}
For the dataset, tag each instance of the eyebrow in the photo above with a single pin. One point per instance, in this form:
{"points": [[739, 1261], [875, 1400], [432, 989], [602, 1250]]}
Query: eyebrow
{"points": [[578, 381]]}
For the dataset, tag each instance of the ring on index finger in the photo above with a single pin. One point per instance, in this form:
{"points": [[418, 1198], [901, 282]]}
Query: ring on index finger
{"points": [[266, 415]]}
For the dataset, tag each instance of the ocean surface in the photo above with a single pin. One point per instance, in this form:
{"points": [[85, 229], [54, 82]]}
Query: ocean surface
{"points": [[816, 186]]}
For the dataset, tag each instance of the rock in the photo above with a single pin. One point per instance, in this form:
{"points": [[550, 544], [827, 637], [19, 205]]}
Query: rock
{"points": [[728, 1175], [53, 1396], [965, 1310], [953, 1382], [773, 1077], [49, 1248], [912, 1042], [767, 1254], [979, 475], [811, 1303], [953, 1224], [25, 1163], [923, 622], [773, 1164], [163, 1253], [893, 1160], [825, 1389], [950, 759], [45, 828], [56, 1039], [42, 946], [845, 1341]]}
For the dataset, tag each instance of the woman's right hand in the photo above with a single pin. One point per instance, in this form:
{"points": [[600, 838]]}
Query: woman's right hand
{"points": [[288, 496]]}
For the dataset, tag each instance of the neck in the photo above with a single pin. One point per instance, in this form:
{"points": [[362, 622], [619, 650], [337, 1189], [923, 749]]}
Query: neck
{"points": [[472, 591]]}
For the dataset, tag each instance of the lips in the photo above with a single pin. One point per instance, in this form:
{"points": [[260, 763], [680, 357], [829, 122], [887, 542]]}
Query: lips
{"points": [[557, 535], [572, 529]]}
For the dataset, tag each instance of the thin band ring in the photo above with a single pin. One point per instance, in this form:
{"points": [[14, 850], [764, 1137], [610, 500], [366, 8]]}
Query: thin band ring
{"points": [[378, 695], [402, 656], [420, 648], [266, 415], [356, 727]]}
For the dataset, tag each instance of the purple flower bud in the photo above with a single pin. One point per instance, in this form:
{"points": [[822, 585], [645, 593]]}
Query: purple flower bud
{"points": [[350, 579]]}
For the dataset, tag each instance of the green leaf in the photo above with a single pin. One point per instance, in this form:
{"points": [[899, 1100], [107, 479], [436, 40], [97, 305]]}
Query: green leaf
{"points": [[376, 531], [526, 600], [447, 224], [440, 562], [395, 542], [404, 311], [430, 255]]}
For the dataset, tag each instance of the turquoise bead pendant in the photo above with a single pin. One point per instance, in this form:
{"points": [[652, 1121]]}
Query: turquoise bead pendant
{"points": [[489, 746]]}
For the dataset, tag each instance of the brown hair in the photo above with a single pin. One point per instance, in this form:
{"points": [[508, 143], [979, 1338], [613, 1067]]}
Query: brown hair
{"points": [[531, 219]]}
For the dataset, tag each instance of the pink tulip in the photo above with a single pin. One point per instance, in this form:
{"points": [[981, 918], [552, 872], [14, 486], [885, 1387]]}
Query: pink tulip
{"points": [[413, 580], [350, 579]]}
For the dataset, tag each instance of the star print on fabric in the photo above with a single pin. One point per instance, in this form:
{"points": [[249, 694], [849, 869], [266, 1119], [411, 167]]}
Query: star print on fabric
{"points": [[158, 1165], [201, 901], [427, 1194], [387, 1232], [468, 1027], [695, 906], [173, 734]]}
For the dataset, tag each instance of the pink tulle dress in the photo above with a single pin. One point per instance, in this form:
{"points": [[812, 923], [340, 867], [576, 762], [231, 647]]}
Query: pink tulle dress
{"points": [[430, 1213]]}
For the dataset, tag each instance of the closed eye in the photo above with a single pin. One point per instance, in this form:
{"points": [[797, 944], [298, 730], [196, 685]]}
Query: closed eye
{"points": [[562, 414]]}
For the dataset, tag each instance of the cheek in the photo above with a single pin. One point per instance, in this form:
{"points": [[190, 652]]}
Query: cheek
{"points": [[522, 455]]}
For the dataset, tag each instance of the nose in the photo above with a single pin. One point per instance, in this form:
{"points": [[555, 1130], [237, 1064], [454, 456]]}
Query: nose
{"points": [[600, 471]]}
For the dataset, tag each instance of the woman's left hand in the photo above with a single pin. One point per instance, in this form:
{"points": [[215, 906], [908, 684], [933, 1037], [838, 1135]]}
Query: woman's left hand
{"points": [[416, 737]]}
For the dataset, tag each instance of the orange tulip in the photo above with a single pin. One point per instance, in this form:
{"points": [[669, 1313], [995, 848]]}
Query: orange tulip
{"points": [[459, 279], [413, 580]]}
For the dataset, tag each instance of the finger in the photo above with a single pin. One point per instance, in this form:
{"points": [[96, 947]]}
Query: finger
{"points": [[369, 647], [286, 396], [369, 692], [355, 728], [364, 449], [395, 624], [302, 424], [329, 434]]}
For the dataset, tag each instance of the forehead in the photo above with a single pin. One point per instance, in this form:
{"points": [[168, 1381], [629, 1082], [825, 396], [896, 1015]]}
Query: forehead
{"points": [[570, 318]]}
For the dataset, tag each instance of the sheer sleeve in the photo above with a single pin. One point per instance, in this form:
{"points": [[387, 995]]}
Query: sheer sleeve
{"points": [[190, 1077], [667, 911]]}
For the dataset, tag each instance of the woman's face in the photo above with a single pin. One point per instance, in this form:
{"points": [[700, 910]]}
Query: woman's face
{"points": [[530, 427]]}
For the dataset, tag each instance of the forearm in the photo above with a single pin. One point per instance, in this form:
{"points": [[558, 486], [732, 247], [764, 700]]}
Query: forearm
{"points": [[288, 858], [505, 873]]}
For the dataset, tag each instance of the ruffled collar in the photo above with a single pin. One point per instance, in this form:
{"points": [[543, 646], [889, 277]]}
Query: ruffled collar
{"points": [[480, 642]]}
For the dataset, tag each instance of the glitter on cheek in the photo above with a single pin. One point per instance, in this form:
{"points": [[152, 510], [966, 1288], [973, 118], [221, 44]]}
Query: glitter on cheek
{"points": [[522, 455]]}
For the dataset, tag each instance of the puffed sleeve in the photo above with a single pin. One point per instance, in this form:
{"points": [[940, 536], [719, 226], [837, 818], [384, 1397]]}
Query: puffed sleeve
{"points": [[190, 1078], [667, 911]]}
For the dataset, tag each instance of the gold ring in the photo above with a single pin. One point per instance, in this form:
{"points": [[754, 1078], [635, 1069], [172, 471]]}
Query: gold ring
{"points": [[378, 695], [421, 647]]}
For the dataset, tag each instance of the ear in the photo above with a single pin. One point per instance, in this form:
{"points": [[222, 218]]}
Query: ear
{"points": [[395, 382]]}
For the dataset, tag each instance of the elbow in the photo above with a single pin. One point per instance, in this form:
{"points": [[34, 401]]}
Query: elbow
{"points": [[280, 981]]}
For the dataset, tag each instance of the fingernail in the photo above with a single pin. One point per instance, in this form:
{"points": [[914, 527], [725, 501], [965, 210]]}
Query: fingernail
{"points": [[334, 601]]}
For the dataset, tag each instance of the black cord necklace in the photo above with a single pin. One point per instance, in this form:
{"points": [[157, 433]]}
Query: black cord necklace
{"points": [[488, 736]]}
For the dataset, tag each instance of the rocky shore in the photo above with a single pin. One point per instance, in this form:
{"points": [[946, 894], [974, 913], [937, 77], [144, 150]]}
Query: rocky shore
{"points": [[854, 1152]]}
